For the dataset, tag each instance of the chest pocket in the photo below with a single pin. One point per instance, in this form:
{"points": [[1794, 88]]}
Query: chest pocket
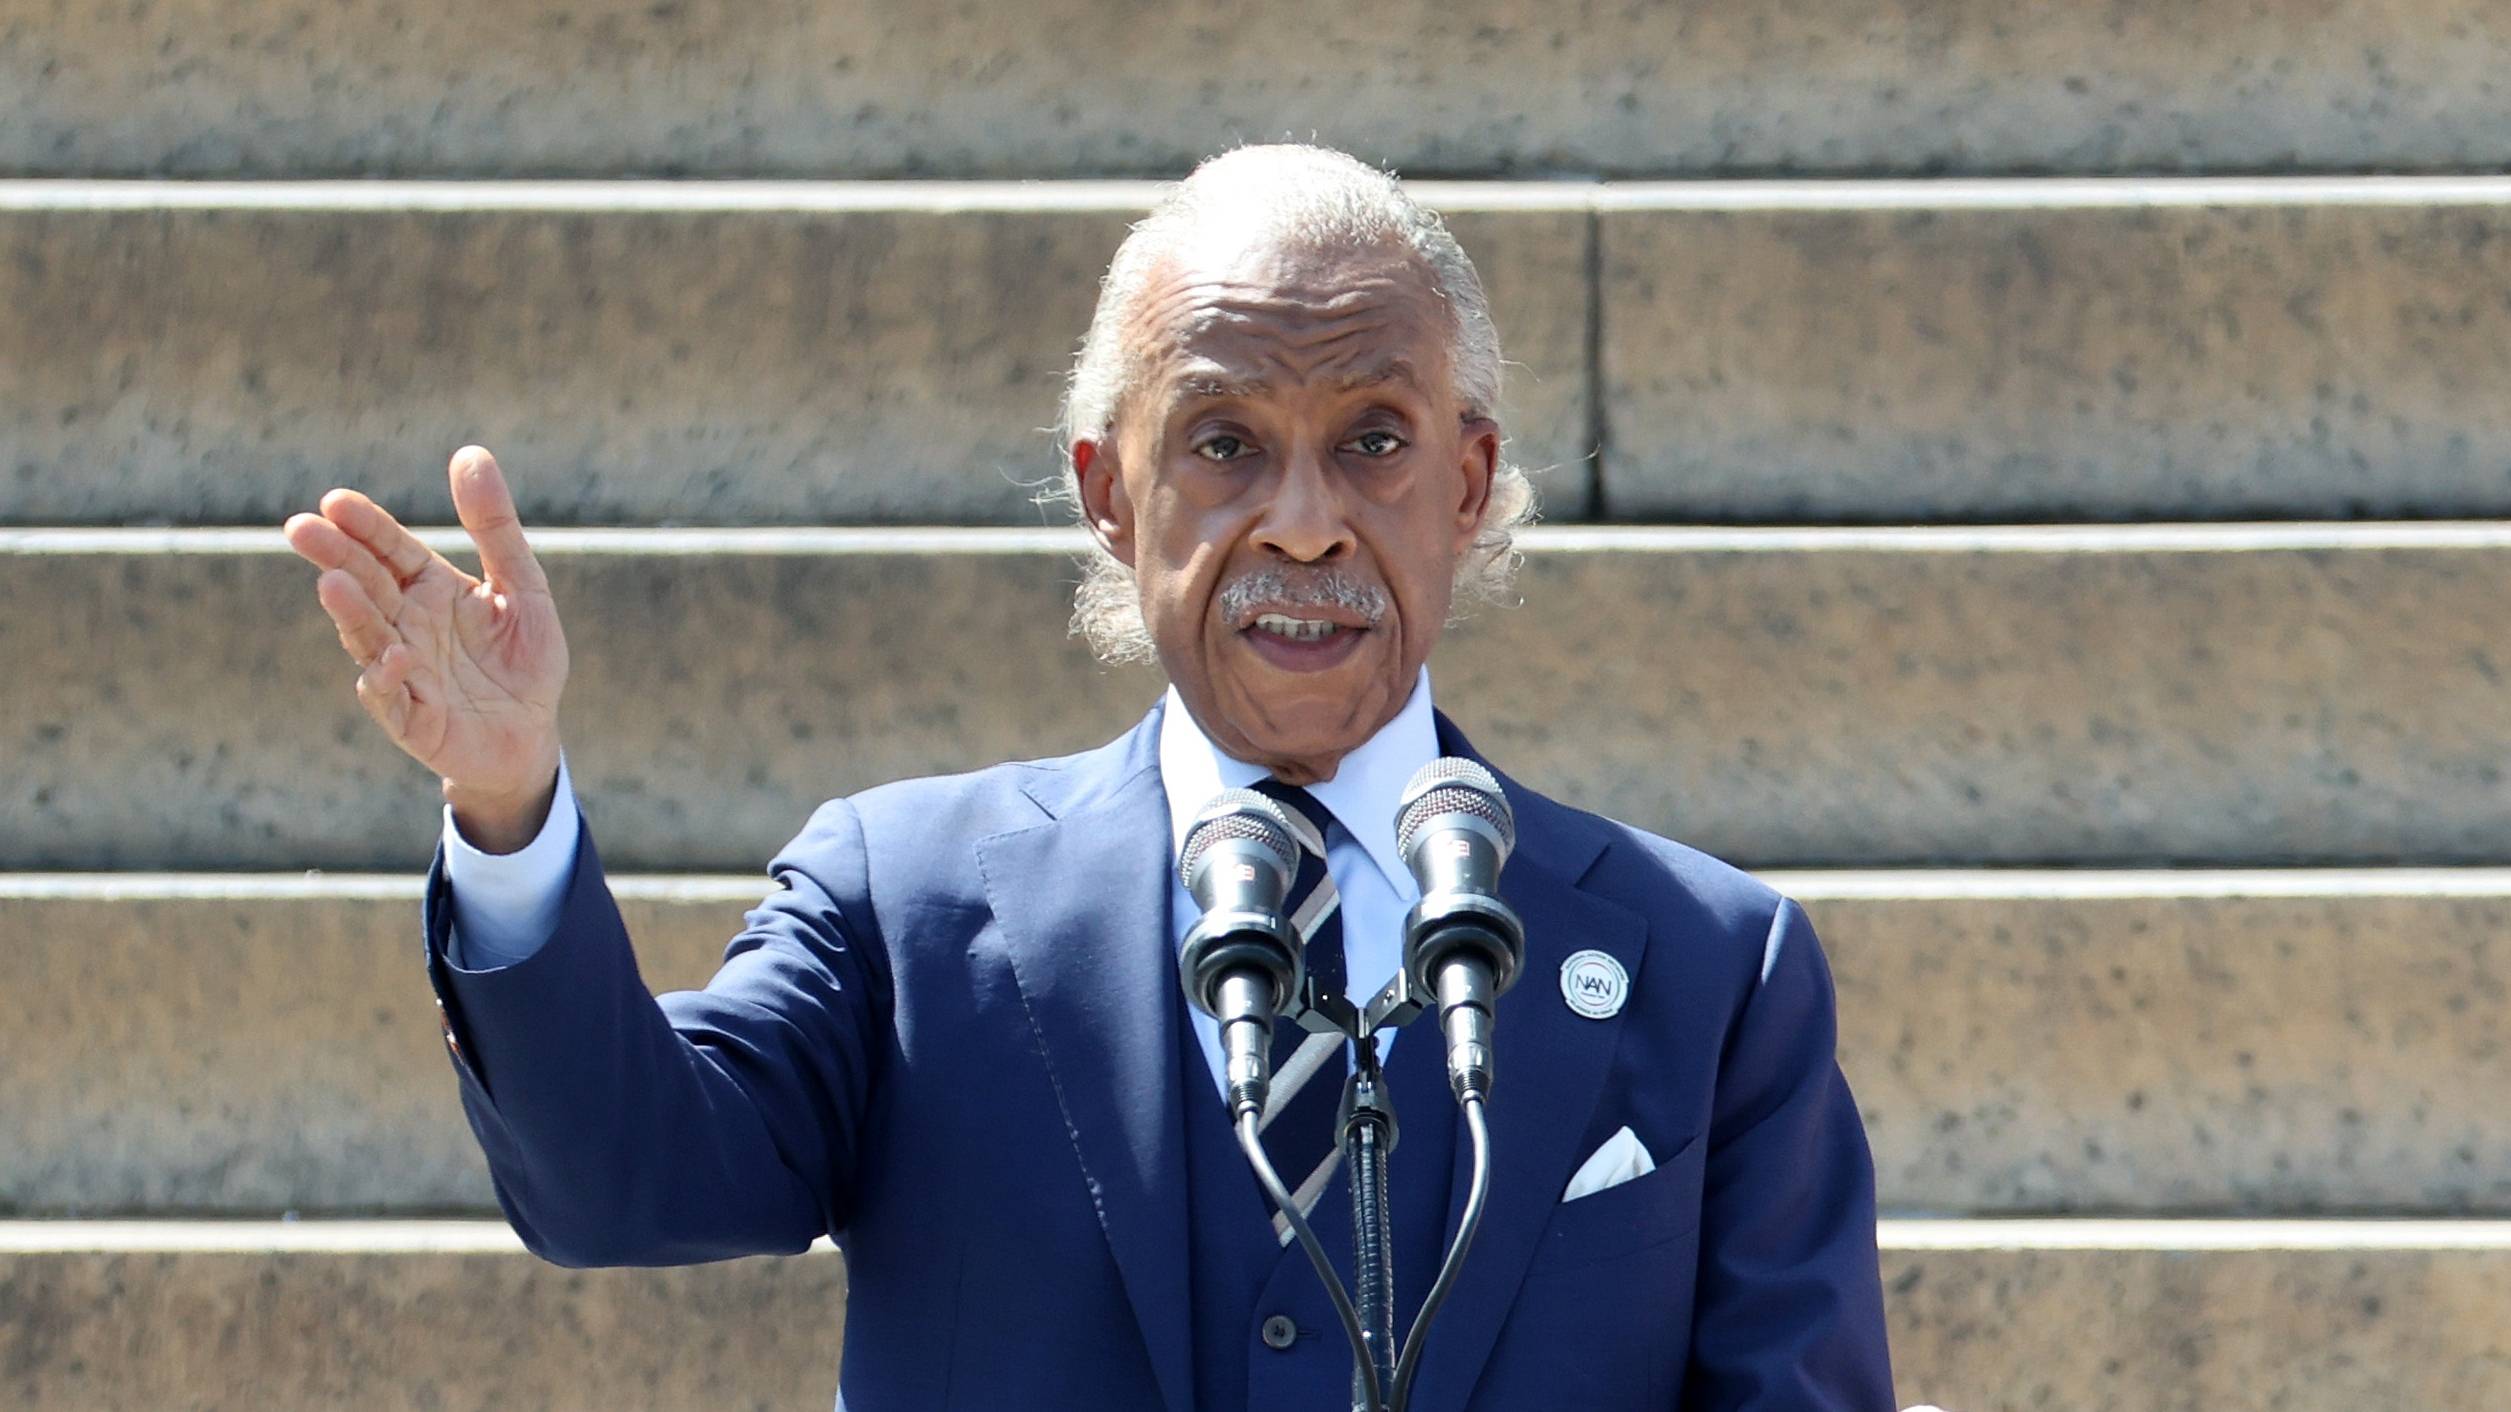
{"points": [[1603, 1321], [1623, 1220]]}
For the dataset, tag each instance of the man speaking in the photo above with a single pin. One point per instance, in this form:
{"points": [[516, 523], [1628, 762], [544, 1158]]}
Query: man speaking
{"points": [[954, 1037]]}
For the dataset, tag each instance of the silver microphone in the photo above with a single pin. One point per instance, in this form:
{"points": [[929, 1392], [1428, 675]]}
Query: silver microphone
{"points": [[1463, 946], [1243, 961]]}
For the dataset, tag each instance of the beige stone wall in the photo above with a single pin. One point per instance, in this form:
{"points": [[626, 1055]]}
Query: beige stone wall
{"points": [[1093, 87], [1782, 698]]}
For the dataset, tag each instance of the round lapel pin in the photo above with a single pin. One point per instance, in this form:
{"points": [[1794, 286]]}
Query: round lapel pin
{"points": [[1594, 984]]}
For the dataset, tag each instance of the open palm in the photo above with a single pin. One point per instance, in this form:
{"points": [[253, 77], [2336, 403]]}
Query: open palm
{"points": [[462, 673]]}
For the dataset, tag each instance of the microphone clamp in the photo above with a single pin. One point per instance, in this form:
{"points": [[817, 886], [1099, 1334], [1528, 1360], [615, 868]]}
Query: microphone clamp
{"points": [[1471, 948], [1463, 926], [1244, 968]]}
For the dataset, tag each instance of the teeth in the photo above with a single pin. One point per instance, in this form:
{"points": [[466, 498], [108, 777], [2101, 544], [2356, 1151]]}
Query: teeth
{"points": [[1296, 629]]}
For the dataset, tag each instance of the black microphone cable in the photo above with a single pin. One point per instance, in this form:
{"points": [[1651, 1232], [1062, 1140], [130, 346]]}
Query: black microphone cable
{"points": [[1253, 1146], [1463, 947], [1454, 1264]]}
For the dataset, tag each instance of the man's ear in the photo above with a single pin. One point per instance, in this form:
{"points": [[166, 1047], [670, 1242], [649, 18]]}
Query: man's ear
{"points": [[1479, 460], [1104, 505]]}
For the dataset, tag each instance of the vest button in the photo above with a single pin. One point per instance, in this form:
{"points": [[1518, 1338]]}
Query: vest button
{"points": [[1280, 1333]]}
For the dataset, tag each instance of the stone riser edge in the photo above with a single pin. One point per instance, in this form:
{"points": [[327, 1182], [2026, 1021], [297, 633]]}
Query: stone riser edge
{"points": [[296, 87], [2251, 1042], [1984, 1317], [2195, 695], [796, 353]]}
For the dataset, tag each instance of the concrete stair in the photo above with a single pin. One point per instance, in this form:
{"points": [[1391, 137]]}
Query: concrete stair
{"points": [[748, 353], [2160, 1316], [2232, 695], [2253, 1043], [2048, 350], [659, 352], [301, 88], [268, 1316]]}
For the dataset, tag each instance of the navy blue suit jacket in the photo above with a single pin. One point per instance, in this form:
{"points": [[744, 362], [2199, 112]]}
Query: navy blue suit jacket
{"points": [[950, 1039]]}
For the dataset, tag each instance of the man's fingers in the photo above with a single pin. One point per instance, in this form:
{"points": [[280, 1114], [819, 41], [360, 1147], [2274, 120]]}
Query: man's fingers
{"points": [[364, 634], [371, 525], [321, 543], [383, 690], [486, 508]]}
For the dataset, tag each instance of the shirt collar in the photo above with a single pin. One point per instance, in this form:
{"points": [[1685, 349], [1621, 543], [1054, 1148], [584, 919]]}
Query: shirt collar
{"points": [[1362, 794]]}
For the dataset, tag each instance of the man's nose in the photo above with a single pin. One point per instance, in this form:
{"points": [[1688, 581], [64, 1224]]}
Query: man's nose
{"points": [[1305, 520]]}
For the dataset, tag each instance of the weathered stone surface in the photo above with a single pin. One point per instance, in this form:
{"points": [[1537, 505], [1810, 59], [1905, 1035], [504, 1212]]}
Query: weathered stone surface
{"points": [[1986, 1317], [1932, 697], [2258, 1043], [853, 354], [2042, 352], [254, 1045], [298, 87], [861, 353], [2167, 1042], [2272, 696], [2194, 1316], [278, 1319]]}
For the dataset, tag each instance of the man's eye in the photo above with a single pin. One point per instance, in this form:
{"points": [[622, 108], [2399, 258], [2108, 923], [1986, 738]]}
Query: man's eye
{"points": [[1376, 443], [1221, 448]]}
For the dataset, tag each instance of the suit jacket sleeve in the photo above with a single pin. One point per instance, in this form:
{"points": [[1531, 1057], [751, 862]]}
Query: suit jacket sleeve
{"points": [[1788, 1312], [622, 1129]]}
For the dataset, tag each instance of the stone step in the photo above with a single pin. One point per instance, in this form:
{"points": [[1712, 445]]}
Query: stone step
{"points": [[2258, 1042], [299, 87], [2161, 694], [267, 1316], [1986, 1316], [2134, 1316], [707, 353], [1986, 351], [684, 353]]}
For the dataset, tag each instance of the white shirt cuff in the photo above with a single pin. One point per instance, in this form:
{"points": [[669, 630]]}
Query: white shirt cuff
{"points": [[506, 905]]}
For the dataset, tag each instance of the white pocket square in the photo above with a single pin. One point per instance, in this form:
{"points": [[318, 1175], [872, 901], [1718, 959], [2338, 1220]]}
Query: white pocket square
{"points": [[1622, 1158]]}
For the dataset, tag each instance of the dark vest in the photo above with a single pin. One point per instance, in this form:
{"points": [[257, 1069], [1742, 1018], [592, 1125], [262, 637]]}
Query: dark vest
{"points": [[1240, 1276]]}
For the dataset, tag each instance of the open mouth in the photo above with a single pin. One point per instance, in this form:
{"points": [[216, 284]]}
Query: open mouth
{"points": [[1305, 620], [1296, 629], [1298, 642]]}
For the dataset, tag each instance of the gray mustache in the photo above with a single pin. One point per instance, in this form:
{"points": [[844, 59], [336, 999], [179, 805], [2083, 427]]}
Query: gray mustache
{"points": [[1308, 588]]}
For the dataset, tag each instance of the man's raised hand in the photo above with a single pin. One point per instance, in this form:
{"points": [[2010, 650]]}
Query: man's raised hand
{"points": [[462, 673]]}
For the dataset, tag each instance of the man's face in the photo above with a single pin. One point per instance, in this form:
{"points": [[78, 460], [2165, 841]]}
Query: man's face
{"points": [[1293, 483]]}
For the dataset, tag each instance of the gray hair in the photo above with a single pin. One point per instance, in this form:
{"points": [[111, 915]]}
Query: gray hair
{"points": [[1313, 197]]}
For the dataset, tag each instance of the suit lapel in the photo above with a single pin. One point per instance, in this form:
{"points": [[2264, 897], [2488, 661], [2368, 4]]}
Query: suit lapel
{"points": [[1082, 902], [1551, 1076]]}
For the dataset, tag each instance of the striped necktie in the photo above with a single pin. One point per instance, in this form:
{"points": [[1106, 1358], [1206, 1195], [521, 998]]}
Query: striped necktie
{"points": [[1301, 1121]]}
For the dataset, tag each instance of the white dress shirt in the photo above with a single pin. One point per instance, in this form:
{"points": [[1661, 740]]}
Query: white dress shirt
{"points": [[506, 905]]}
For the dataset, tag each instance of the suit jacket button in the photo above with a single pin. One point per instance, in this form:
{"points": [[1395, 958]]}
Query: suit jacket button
{"points": [[1280, 1333]]}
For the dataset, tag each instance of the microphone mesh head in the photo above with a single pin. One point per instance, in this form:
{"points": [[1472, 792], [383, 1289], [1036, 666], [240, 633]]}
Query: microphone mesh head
{"points": [[1454, 786], [1238, 814]]}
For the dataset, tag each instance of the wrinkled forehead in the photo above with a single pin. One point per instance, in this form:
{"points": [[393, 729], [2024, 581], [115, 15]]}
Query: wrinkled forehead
{"points": [[1269, 320]]}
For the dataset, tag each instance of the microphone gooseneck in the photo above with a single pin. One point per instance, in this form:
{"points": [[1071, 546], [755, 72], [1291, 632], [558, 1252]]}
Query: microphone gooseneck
{"points": [[1463, 946], [1242, 963]]}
